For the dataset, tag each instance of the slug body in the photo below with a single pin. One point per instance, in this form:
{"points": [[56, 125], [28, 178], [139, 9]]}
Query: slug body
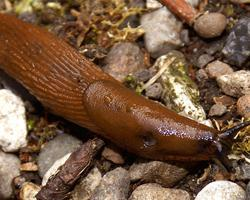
{"points": [[72, 87]]}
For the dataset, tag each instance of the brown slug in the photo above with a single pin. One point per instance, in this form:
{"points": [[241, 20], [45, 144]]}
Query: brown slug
{"points": [[72, 87]]}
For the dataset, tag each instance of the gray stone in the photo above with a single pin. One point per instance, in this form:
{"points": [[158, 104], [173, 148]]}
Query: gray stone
{"points": [[236, 84], [114, 185], [217, 110], [55, 149], [13, 129], [162, 31], [243, 171], [237, 47], [203, 60], [9, 169], [154, 191], [248, 191], [201, 75], [123, 59], [225, 190], [157, 172], [154, 91], [84, 189], [218, 68]]}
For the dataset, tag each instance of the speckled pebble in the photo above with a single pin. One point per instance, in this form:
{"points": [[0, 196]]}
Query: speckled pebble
{"points": [[9, 169], [201, 75], [203, 60], [84, 189], [217, 110], [13, 130], [218, 68], [236, 84], [124, 58], [219, 190], [210, 25], [243, 106], [157, 172], [156, 192], [56, 149], [114, 185], [154, 91]]}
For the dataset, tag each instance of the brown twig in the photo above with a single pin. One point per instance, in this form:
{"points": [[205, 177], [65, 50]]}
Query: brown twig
{"points": [[182, 9], [79, 162]]}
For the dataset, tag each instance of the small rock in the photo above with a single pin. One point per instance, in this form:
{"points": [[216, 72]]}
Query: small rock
{"points": [[201, 75], [124, 58], [162, 31], [243, 171], [29, 166], [9, 169], [85, 188], [157, 172], [237, 47], [143, 75], [236, 84], [56, 149], [184, 36], [13, 129], [114, 185], [53, 169], [217, 110], [113, 156], [153, 4], [248, 191], [224, 100], [29, 191], [218, 68], [203, 60], [210, 25], [225, 190], [243, 106], [154, 191], [154, 91]]}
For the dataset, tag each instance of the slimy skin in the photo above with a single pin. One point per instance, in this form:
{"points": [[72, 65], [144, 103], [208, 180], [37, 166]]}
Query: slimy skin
{"points": [[70, 86]]}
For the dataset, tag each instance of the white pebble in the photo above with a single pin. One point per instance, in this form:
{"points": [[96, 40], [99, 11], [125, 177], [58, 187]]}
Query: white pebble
{"points": [[13, 129], [221, 190]]}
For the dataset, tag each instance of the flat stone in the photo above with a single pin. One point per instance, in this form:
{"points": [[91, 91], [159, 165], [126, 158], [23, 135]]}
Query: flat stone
{"points": [[218, 68], [154, 191], [217, 110], [243, 106], [9, 169], [157, 172], [113, 156], [225, 190], [237, 47], [13, 130], [203, 60], [114, 185], [56, 149], [236, 84], [154, 91]]}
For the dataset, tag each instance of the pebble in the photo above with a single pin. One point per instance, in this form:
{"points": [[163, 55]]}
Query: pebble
{"points": [[154, 91], [162, 31], [123, 59], [203, 60], [242, 171], [236, 84], [237, 46], [218, 68], [56, 149], [9, 169], [114, 185], [225, 100], [243, 106], [153, 4], [248, 191], [13, 129], [210, 25], [217, 110], [157, 172], [113, 156], [29, 191], [84, 189], [219, 190], [143, 75], [53, 169], [152, 191], [201, 75]]}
